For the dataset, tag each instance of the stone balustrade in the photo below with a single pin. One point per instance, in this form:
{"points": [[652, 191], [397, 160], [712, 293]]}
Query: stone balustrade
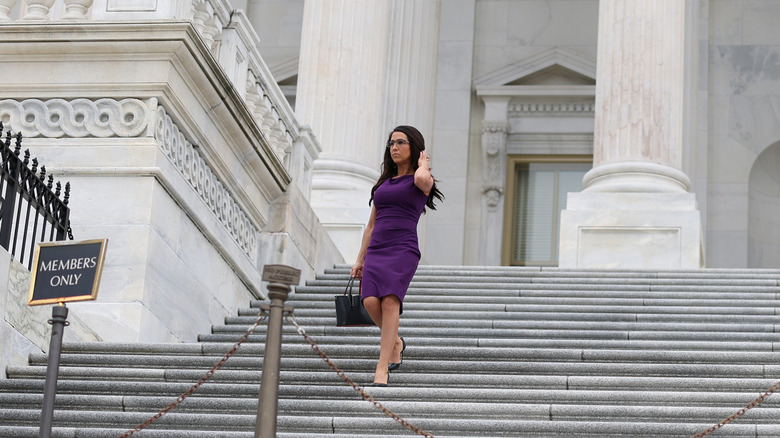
{"points": [[233, 42]]}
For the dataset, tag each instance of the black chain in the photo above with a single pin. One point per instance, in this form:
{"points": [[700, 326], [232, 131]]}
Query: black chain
{"points": [[201, 381], [740, 412], [366, 396]]}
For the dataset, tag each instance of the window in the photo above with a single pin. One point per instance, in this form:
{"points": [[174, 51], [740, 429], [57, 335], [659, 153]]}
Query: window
{"points": [[536, 194]]}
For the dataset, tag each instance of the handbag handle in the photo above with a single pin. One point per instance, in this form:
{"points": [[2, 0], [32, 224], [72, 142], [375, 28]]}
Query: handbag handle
{"points": [[349, 287]]}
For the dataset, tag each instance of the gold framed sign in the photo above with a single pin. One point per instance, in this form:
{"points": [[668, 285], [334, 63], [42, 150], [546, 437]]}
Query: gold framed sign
{"points": [[66, 271], [281, 274]]}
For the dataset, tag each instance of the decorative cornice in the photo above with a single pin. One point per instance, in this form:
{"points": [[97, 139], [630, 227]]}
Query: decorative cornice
{"points": [[578, 109], [188, 161], [75, 118], [104, 118], [489, 126]]}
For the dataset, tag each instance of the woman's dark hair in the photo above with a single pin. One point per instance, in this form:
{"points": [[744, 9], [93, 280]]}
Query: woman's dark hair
{"points": [[390, 169]]}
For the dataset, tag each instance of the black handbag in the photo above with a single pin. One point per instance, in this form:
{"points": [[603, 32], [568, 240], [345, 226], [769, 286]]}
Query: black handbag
{"points": [[349, 309]]}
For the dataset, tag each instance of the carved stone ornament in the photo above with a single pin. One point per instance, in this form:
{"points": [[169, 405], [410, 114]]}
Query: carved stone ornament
{"points": [[75, 118], [199, 175], [494, 151], [492, 196]]}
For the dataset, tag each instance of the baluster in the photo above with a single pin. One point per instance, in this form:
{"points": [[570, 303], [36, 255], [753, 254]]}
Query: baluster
{"points": [[200, 15], [5, 15], [252, 96], [38, 9], [50, 184], [76, 9], [210, 32]]}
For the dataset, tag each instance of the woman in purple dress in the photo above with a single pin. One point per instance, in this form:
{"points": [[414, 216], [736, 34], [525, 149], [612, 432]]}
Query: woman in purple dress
{"points": [[389, 253]]}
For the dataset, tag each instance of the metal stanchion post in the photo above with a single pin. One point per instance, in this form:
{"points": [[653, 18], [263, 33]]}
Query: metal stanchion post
{"points": [[58, 321], [269, 383]]}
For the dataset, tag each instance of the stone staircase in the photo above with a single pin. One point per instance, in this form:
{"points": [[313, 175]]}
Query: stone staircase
{"points": [[492, 352]]}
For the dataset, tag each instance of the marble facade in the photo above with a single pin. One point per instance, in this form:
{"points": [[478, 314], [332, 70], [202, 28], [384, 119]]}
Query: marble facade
{"points": [[729, 89], [188, 116], [183, 150]]}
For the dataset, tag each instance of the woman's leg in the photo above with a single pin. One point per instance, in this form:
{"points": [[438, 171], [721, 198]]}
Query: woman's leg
{"points": [[390, 310], [373, 306]]}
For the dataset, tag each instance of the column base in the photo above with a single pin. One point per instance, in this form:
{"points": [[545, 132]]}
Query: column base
{"points": [[344, 215], [339, 197], [603, 230]]}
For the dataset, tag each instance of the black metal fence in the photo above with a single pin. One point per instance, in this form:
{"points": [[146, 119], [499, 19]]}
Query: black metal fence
{"points": [[30, 207]]}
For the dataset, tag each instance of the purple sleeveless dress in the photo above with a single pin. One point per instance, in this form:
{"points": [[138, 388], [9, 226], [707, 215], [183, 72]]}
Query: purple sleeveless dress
{"points": [[393, 253]]}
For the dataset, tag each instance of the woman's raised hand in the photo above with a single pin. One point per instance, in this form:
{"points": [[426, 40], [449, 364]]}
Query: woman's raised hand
{"points": [[424, 161]]}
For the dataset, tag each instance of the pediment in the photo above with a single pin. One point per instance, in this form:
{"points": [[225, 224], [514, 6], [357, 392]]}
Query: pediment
{"points": [[551, 67]]}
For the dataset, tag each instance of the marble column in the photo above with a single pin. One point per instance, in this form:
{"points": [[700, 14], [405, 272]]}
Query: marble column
{"points": [[340, 87], [411, 71], [365, 67], [635, 210], [410, 87]]}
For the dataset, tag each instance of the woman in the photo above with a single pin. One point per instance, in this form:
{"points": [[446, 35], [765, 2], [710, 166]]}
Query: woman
{"points": [[389, 253]]}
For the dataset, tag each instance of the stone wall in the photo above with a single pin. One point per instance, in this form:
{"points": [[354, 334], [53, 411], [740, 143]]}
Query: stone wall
{"points": [[24, 329]]}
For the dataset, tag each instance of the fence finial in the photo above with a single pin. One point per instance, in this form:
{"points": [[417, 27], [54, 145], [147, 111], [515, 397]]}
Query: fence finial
{"points": [[23, 186]]}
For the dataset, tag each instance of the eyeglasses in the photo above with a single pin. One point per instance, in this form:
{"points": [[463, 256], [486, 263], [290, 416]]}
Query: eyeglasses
{"points": [[400, 142]]}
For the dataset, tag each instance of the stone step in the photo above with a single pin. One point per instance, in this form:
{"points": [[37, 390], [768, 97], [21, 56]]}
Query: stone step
{"points": [[320, 326], [494, 288], [251, 356], [521, 304], [348, 428], [425, 281], [507, 296], [566, 404], [535, 339], [212, 413], [519, 271], [673, 387], [515, 326], [428, 385], [574, 335], [512, 365], [453, 323], [521, 352], [566, 340]]}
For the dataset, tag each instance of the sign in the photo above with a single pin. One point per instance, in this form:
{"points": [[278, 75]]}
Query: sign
{"points": [[66, 271], [281, 274]]}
